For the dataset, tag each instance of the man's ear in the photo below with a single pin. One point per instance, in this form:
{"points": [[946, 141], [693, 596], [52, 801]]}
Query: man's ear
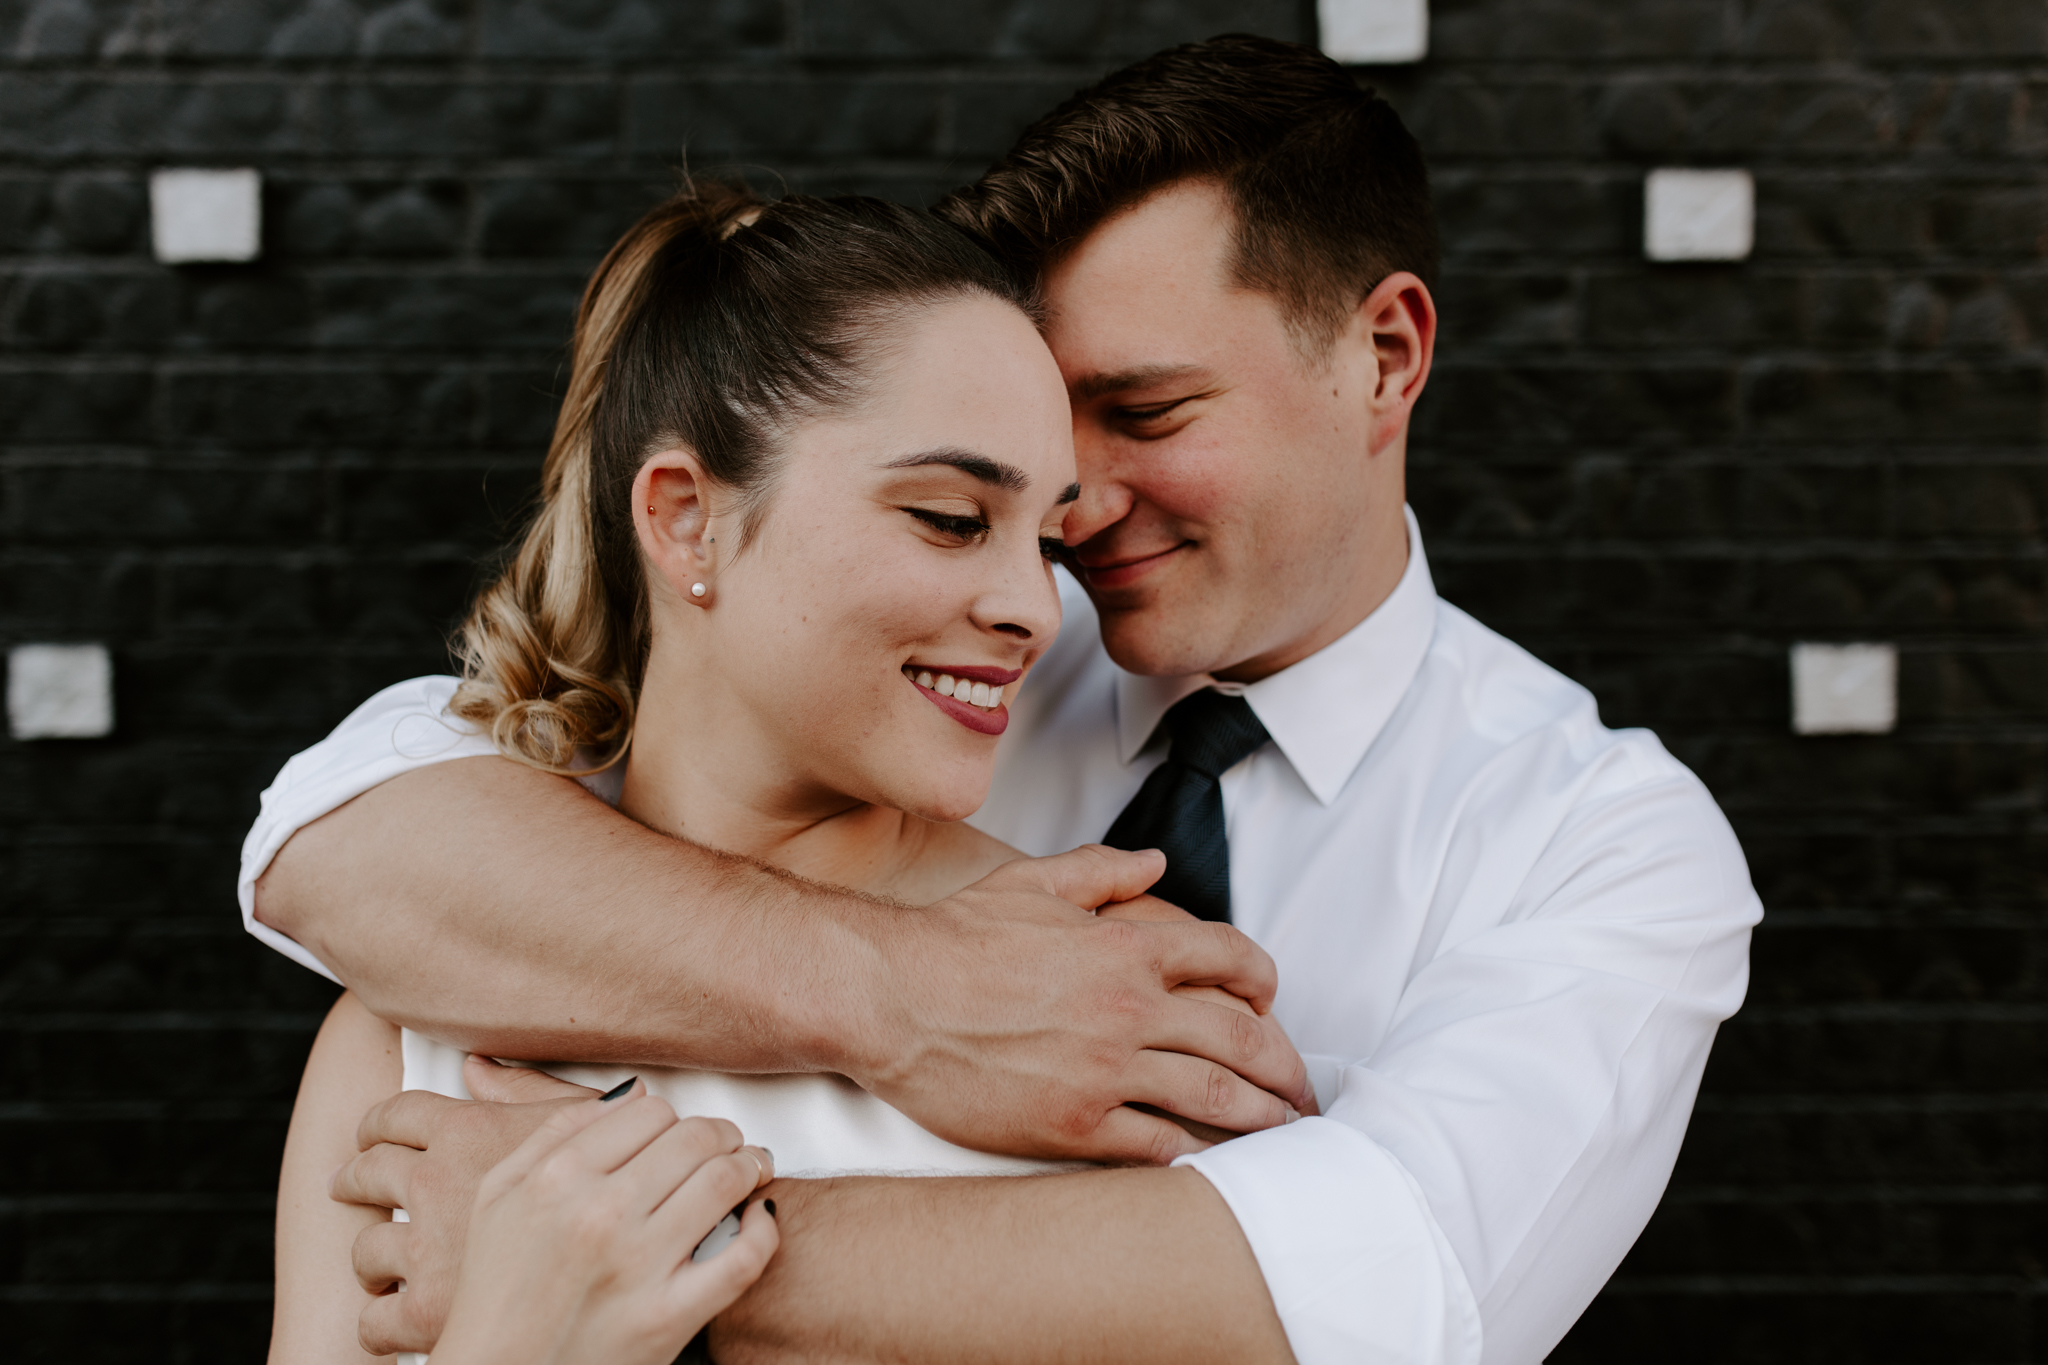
{"points": [[673, 514], [1398, 322]]}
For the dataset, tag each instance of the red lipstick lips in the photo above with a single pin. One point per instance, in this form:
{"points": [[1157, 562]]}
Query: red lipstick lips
{"points": [[981, 720]]}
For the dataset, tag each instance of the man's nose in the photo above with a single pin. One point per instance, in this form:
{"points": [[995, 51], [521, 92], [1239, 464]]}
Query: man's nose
{"points": [[1102, 504]]}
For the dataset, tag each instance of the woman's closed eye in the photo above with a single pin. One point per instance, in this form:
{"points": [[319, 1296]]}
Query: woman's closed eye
{"points": [[963, 530]]}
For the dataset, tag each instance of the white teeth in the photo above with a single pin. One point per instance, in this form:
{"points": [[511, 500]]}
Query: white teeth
{"points": [[979, 694]]}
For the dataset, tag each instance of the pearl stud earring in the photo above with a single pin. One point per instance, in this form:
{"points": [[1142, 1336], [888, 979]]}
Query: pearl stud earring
{"points": [[696, 590]]}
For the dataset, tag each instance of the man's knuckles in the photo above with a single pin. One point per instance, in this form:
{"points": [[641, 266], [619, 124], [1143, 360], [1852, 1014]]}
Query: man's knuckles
{"points": [[1246, 1038], [1221, 1091], [1079, 1123], [1126, 1009], [1125, 939]]}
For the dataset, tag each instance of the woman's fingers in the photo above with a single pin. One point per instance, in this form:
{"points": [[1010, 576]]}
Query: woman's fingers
{"points": [[391, 1324], [703, 1289], [380, 1257], [562, 1125], [489, 1079], [668, 1161], [622, 1129], [379, 1176], [407, 1119], [712, 1190]]}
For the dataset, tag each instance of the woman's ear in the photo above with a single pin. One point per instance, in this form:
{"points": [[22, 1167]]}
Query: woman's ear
{"points": [[673, 515]]}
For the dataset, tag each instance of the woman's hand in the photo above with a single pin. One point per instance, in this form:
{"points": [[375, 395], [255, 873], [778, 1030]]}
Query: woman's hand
{"points": [[579, 1248]]}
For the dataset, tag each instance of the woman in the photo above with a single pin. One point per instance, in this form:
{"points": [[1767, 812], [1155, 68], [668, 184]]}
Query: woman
{"points": [[546, 1283], [792, 560]]}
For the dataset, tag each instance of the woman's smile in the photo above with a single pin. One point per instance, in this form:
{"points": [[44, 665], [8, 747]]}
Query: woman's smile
{"points": [[971, 694]]}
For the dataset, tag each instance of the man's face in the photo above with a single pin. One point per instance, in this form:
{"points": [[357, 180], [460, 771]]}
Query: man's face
{"points": [[1236, 497]]}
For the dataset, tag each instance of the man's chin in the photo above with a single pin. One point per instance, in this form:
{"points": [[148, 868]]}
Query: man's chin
{"points": [[1157, 644]]}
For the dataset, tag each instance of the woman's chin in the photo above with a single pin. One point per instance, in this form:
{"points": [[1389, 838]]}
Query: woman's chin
{"points": [[943, 807]]}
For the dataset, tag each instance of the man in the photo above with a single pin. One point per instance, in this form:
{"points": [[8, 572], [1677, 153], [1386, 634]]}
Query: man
{"points": [[1504, 935]]}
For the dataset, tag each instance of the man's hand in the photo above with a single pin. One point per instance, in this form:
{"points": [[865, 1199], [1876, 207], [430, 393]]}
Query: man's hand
{"points": [[428, 1154], [1016, 1022]]}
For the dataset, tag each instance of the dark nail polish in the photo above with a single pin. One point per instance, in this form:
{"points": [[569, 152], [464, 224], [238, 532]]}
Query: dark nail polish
{"points": [[621, 1088], [769, 1204]]}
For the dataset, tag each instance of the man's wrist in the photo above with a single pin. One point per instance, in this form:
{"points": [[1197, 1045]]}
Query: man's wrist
{"points": [[842, 1023]]}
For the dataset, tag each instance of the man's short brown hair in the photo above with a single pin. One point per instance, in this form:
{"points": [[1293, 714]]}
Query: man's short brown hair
{"points": [[1330, 190]]}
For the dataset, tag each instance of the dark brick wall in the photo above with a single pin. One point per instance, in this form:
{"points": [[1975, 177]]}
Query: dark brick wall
{"points": [[265, 487]]}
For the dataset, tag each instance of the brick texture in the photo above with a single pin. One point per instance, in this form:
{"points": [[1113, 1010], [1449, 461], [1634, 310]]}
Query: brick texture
{"points": [[267, 487]]}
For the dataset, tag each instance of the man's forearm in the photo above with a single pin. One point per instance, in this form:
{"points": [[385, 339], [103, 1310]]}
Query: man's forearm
{"points": [[434, 899], [512, 914], [1117, 1266]]}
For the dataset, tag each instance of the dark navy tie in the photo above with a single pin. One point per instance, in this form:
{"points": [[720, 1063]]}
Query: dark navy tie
{"points": [[1179, 810]]}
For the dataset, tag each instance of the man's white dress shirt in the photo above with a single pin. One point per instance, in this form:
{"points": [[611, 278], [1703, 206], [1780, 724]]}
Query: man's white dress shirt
{"points": [[1505, 935]]}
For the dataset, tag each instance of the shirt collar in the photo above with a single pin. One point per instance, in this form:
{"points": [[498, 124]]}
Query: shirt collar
{"points": [[1325, 711]]}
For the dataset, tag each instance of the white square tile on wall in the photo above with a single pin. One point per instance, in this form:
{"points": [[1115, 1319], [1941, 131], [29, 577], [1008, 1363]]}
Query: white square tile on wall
{"points": [[1845, 689], [205, 215], [1699, 215], [60, 692], [1373, 32]]}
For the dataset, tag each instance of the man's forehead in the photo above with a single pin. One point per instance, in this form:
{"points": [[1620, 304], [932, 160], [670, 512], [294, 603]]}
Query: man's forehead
{"points": [[1179, 235]]}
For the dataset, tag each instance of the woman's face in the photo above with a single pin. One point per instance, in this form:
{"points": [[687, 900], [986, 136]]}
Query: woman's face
{"points": [[903, 544]]}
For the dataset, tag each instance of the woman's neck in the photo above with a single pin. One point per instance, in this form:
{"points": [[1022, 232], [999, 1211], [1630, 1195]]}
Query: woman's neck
{"points": [[702, 768]]}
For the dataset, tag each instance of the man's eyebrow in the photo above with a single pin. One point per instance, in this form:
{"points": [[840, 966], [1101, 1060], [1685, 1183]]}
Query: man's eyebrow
{"points": [[1143, 377], [1071, 493], [1007, 477]]}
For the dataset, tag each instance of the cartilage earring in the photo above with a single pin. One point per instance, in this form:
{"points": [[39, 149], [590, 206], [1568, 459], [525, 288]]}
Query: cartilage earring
{"points": [[650, 509], [696, 590]]}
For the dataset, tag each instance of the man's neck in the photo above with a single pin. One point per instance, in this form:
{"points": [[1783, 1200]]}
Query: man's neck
{"points": [[1383, 566]]}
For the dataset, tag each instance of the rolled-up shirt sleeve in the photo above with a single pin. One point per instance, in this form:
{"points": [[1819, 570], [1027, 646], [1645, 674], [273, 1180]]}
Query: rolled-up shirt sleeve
{"points": [[1483, 1168], [401, 728]]}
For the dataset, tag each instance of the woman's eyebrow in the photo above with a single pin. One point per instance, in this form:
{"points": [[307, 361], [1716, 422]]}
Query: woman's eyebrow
{"points": [[1007, 477]]}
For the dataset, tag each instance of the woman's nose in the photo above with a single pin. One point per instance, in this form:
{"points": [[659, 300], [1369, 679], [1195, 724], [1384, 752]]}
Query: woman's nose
{"points": [[1020, 601]]}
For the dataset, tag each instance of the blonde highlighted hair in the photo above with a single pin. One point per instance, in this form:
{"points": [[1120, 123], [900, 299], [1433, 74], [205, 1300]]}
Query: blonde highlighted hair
{"points": [[712, 324]]}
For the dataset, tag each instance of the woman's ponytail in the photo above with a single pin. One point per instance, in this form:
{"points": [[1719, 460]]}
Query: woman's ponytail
{"points": [[550, 661]]}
